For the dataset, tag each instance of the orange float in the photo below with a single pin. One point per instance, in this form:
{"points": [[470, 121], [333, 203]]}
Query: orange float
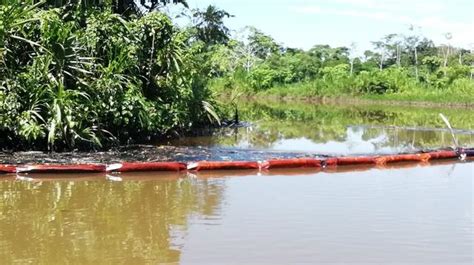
{"points": [[292, 163], [364, 161], [330, 162], [442, 155], [59, 168], [5, 169], [382, 160], [355, 160]]}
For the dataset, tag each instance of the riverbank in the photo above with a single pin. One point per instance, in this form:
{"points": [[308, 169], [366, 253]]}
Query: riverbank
{"points": [[366, 100], [299, 93], [459, 94], [151, 153]]}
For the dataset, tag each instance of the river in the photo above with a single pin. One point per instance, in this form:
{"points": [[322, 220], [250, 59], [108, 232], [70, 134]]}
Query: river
{"points": [[403, 215]]}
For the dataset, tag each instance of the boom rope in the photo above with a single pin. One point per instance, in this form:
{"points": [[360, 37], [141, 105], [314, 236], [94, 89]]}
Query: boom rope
{"points": [[379, 161]]}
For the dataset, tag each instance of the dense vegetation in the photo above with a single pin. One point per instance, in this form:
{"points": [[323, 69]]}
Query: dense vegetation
{"points": [[400, 67], [88, 74], [97, 73]]}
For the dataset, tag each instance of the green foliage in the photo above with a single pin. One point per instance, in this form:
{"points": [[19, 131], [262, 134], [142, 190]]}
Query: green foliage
{"points": [[262, 77], [210, 26], [388, 81], [397, 67], [262, 45], [86, 77], [91, 74]]}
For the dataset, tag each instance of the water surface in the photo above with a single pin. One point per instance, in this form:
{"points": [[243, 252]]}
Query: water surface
{"points": [[340, 129], [409, 214], [397, 216]]}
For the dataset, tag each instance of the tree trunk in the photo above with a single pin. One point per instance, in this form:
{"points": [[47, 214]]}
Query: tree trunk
{"points": [[445, 64], [352, 66], [416, 64], [398, 56], [381, 62]]}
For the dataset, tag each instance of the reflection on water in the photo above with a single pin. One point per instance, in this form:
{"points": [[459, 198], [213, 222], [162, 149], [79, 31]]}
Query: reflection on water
{"points": [[418, 214], [341, 129], [89, 221], [408, 215]]}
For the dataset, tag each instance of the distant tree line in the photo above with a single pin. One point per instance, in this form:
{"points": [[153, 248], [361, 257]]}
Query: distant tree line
{"points": [[256, 61]]}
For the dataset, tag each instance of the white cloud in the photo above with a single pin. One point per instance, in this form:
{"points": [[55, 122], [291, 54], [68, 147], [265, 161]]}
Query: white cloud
{"points": [[432, 25]]}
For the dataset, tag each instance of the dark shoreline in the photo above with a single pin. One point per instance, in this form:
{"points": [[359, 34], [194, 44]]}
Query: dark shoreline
{"points": [[148, 153]]}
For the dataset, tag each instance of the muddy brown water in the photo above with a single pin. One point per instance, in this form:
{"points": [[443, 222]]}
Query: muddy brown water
{"points": [[408, 214]]}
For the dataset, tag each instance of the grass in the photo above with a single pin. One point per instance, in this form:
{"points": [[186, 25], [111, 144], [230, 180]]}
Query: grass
{"points": [[460, 92]]}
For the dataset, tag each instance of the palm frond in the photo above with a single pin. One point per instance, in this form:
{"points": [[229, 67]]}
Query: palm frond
{"points": [[211, 111]]}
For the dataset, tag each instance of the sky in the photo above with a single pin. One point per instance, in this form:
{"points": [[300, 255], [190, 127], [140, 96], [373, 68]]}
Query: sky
{"points": [[304, 23]]}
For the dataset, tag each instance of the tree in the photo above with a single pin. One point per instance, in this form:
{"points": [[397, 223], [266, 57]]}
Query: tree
{"points": [[353, 55], [330, 56], [75, 77], [252, 46], [247, 55], [389, 50], [263, 45], [128, 7], [370, 61], [412, 43], [210, 26], [123, 7], [224, 59], [445, 50], [471, 50]]}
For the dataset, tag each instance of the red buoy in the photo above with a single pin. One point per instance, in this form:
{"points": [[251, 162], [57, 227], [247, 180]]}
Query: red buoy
{"points": [[146, 166], [442, 155], [5, 169], [355, 160], [292, 163], [220, 165], [72, 168], [330, 162], [382, 160]]}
